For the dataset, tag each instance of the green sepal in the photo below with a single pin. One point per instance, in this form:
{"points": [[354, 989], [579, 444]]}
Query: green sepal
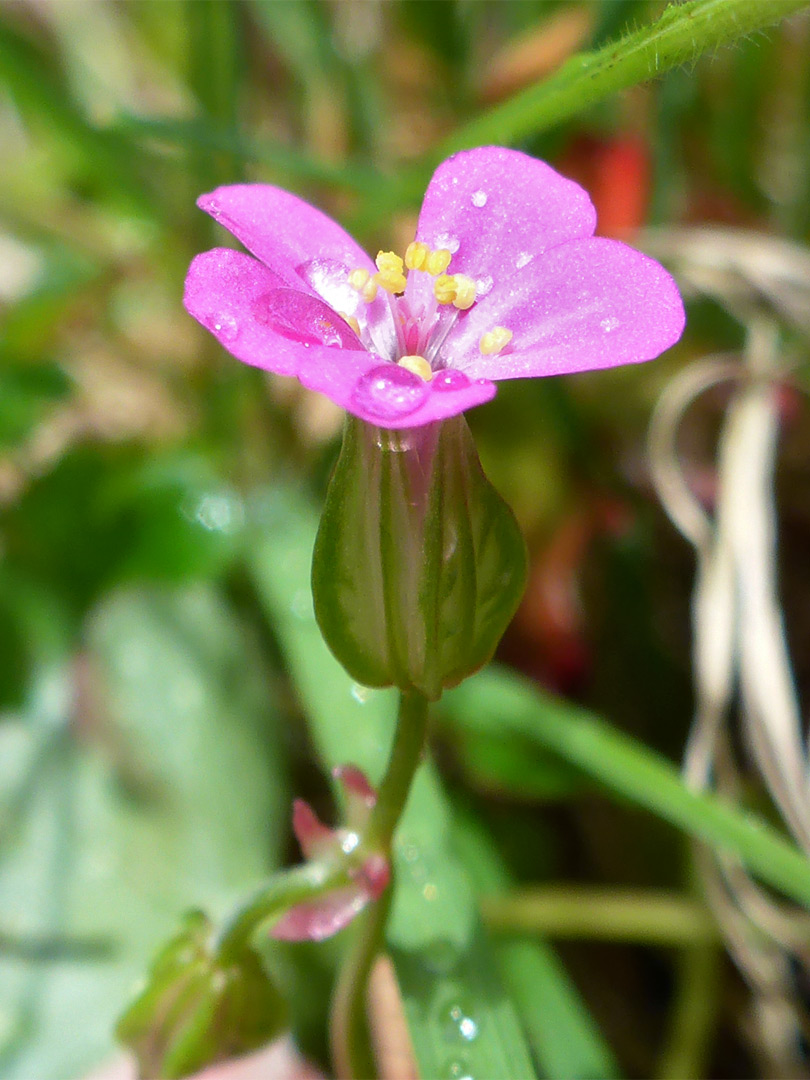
{"points": [[196, 1009], [419, 564]]}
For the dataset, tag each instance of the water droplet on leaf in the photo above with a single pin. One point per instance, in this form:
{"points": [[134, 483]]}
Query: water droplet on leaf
{"points": [[360, 693], [458, 1022]]}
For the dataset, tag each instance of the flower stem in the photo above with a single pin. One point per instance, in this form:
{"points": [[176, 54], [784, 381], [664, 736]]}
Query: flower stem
{"points": [[351, 1041]]}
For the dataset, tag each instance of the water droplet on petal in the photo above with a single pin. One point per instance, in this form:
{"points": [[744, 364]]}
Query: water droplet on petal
{"points": [[609, 324], [213, 208], [523, 259], [445, 240], [479, 198], [389, 392], [224, 326], [450, 380], [484, 285]]}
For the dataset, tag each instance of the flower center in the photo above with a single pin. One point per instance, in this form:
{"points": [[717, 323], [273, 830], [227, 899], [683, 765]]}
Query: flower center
{"points": [[424, 316]]}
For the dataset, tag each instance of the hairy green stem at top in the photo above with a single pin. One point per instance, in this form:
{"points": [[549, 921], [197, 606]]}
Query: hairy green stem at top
{"points": [[351, 1042], [680, 36]]}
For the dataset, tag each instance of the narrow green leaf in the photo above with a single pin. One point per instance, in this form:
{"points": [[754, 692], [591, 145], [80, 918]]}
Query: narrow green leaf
{"points": [[497, 700], [563, 1035]]}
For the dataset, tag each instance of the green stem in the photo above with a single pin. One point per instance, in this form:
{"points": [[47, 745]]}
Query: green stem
{"points": [[351, 1041], [299, 885], [646, 916]]}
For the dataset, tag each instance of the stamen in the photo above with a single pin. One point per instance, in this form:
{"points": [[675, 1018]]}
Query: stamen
{"points": [[416, 254], [456, 289], [437, 261], [466, 289], [418, 365], [362, 281], [391, 276], [494, 340], [444, 288]]}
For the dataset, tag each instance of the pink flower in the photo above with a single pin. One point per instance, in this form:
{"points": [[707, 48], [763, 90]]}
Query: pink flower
{"points": [[369, 872], [504, 281]]}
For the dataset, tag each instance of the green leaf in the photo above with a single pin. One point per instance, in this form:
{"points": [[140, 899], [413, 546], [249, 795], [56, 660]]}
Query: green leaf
{"points": [[106, 842], [563, 1035], [497, 700], [434, 932]]}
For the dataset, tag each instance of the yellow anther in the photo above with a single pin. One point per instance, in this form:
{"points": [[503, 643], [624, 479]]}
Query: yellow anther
{"points": [[350, 319], [438, 261], [416, 255], [465, 292], [494, 340], [444, 288], [391, 275], [364, 283], [418, 365]]}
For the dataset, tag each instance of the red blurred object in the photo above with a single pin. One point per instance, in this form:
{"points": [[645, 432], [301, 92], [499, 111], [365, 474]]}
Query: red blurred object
{"points": [[617, 173], [547, 638]]}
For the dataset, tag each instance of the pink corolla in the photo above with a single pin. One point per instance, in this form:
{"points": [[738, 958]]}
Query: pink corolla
{"points": [[368, 871], [504, 280]]}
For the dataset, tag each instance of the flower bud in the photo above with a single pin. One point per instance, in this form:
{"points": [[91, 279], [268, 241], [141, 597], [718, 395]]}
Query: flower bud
{"points": [[419, 564], [197, 1009]]}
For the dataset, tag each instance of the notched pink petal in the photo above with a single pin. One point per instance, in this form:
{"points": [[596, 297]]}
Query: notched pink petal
{"points": [[496, 210], [316, 839], [281, 229], [304, 319], [590, 304], [320, 919]]}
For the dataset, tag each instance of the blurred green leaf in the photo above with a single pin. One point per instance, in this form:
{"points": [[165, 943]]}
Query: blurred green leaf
{"points": [[562, 1033], [174, 795], [499, 699]]}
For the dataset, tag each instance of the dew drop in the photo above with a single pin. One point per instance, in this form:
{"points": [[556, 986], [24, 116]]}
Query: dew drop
{"points": [[459, 1023], [360, 693], [389, 392], [484, 285], [457, 1068], [445, 240], [523, 259], [301, 605], [224, 326], [450, 380], [213, 208], [609, 324], [479, 198]]}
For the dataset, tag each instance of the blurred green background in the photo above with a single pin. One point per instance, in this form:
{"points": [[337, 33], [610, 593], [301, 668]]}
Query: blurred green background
{"points": [[151, 734]]}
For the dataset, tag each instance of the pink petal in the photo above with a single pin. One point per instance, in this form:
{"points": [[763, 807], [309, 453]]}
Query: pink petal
{"points": [[281, 229], [359, 794], [318, 919], [315, 838], [495, 210], [393, 397], [585, 305], [228, 292], [305, 318]]}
